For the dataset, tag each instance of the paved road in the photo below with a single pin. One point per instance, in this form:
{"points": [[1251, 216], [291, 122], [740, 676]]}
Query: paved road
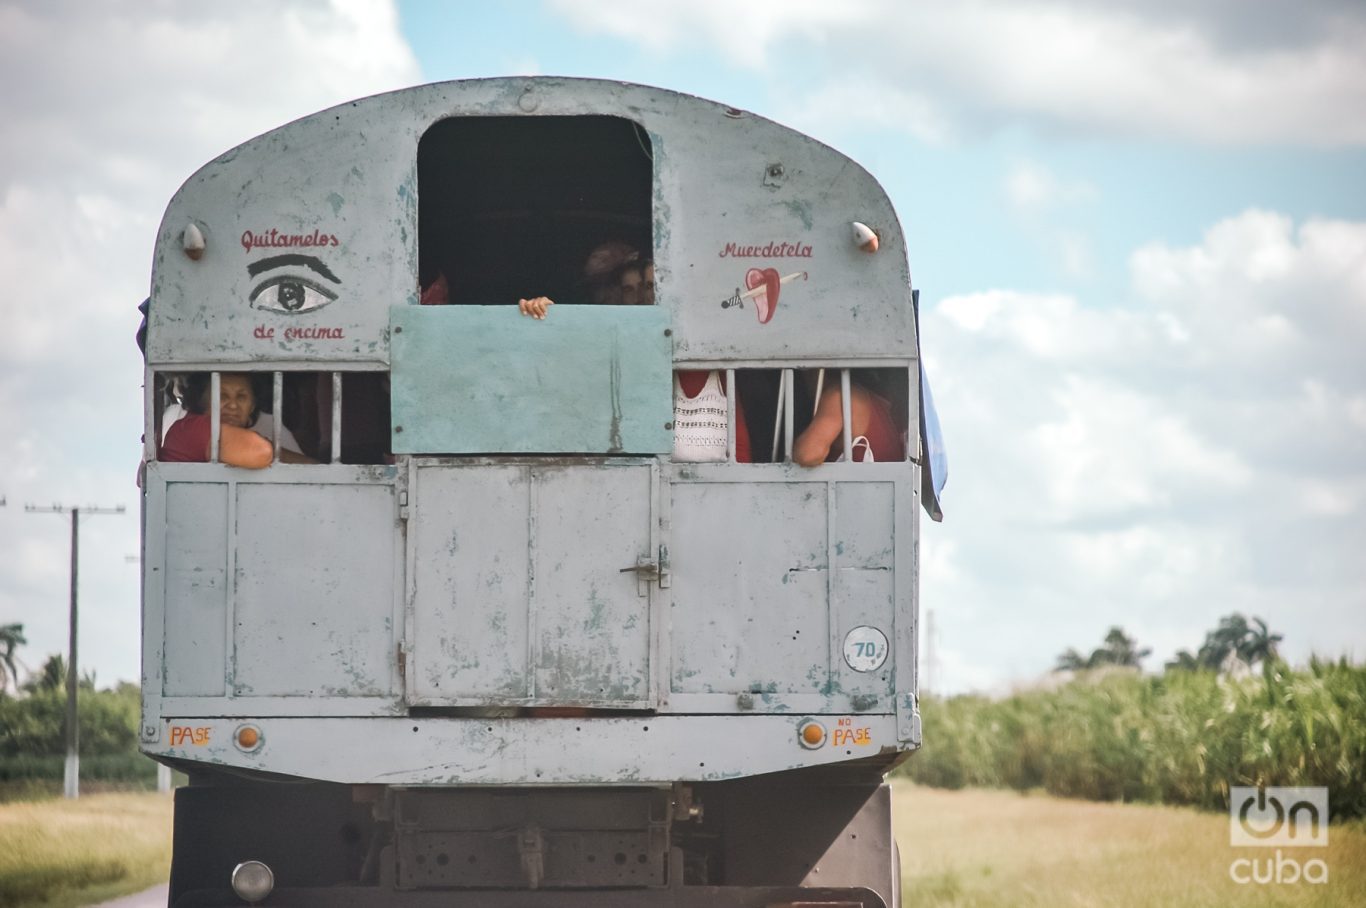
{"points": [[152, 898]]}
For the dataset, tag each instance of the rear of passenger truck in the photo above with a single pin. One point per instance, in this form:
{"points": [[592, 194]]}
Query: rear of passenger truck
{"points": [[487, 640]]}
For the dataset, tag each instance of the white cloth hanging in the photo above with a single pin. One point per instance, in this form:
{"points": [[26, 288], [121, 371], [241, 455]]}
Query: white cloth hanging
{"points": [[700, 422]]}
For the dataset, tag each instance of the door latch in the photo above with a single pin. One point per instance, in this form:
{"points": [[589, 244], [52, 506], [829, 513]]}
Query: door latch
{"points": [[648, 570]]}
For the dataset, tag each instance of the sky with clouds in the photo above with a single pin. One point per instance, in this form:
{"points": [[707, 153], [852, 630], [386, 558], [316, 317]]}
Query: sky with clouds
{"points": [[1138, 228]]}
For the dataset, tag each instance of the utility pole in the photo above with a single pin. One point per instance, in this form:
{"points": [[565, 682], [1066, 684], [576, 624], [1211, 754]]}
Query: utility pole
{"points": [[72, 776], [931, 654]]}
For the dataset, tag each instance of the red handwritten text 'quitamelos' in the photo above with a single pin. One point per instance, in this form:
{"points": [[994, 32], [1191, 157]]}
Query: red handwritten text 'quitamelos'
{"points": [[274, 239]]}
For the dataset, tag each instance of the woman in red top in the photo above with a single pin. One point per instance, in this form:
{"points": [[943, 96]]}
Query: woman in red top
{"points": [[870, 417], [188, 439]]}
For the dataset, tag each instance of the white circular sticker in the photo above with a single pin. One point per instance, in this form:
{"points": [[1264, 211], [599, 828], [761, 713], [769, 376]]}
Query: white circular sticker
{"points": [[865, 648]]}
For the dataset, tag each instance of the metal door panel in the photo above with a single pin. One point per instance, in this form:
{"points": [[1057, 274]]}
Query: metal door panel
{"points": [[864, 598], [592, 624], [864, 537], [519, 594], [196, 596], [314, 590], [751, 588], [470, 580]]}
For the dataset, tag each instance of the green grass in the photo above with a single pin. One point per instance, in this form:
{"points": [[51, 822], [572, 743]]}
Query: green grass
{"points": [[62, 854], [959, 849], [976, 847], [1178, 738]]}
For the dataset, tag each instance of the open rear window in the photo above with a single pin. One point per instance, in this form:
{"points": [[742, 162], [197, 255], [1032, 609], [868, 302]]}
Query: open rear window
{"points": [[511, 207]]}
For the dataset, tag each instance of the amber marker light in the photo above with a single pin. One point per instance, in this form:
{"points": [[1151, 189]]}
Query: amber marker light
{"points": [[248, 737], [864, 237], [811, 734]]}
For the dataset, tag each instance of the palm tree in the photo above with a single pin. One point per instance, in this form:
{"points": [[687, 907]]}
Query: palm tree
{"points": [[52, 676], [1070, 661], [1119, 649], [1250, 643], [11, 638], [1260, 645], [1227, 638], [1184, 662]]}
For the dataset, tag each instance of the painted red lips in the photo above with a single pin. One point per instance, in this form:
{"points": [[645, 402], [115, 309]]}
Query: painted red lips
{"points": [[766, 299]]}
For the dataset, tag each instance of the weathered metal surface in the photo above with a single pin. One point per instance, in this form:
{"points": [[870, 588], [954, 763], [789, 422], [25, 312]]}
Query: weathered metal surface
{"points": [[324, 602], [518, 593], [749, 265], [314, 590], [196, 579], [278, 584], [772, 563], [488, 380], [810, 835], [520, 750], [531, 840]]}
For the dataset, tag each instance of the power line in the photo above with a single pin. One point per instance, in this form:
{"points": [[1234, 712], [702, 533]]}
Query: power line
{"points": [[72, 776]]}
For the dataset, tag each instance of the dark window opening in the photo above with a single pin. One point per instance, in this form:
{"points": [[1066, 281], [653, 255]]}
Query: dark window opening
{"points": [[760, 409], [306, 417], [512, 207]]}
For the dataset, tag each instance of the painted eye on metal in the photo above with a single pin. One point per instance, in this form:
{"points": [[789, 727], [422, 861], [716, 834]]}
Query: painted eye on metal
{"points": [[290, 295], [283, 289]]}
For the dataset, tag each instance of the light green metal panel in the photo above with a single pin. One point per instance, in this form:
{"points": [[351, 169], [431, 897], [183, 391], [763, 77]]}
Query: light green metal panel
{"points": [[486, 379]]}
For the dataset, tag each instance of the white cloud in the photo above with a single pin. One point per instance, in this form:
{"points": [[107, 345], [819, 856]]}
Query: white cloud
{"points": [[1120, 68], [1156, 464], [109, 107], [1032, 186]]}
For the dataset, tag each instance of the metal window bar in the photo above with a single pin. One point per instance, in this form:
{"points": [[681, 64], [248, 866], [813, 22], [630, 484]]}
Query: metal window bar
{"points": [[783, 424], [846, 417], [730, 416], [788, 379], [153, 384], [277, 396], [215, 415], [336, 416], [778, 416]]}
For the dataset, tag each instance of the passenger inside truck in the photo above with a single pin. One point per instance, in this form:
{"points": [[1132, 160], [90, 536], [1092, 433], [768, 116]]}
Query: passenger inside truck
{"points": [[547, 205], [873, 430], [307, 408], [246, 431]]}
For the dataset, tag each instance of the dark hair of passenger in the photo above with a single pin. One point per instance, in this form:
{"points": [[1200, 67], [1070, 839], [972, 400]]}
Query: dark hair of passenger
{"points": [[196, 395]]}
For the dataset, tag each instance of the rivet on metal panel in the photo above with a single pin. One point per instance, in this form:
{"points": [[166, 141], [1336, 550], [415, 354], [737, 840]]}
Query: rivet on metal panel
{"points": [[397, 429], [398, 329], [668, 332], [528, 101], [734, 113], [774, 175], [745, 701], [669, 425]]}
